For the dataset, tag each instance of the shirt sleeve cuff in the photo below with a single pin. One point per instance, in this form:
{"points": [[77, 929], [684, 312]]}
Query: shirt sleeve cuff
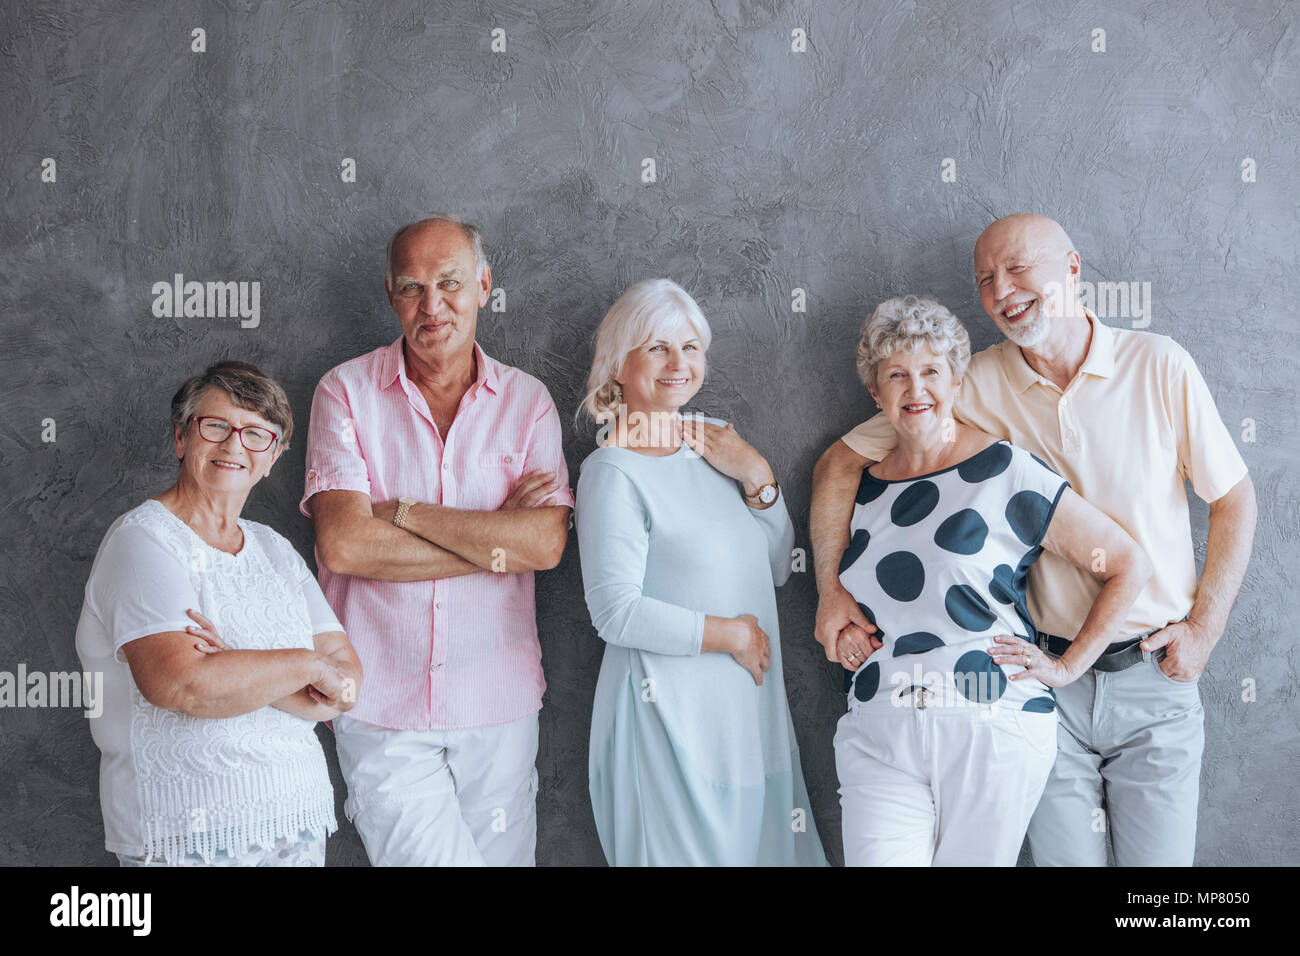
{"points": [[158, 627], [318, 482], [699, 633], [1217, 489], [866, 447]]}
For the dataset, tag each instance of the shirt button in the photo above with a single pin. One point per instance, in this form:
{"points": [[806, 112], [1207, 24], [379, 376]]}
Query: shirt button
{"points": [[438, 604], [444, 466]]}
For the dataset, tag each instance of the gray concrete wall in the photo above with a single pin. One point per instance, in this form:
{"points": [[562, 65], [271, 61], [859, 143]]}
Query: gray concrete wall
{"points": [[776, 170]]}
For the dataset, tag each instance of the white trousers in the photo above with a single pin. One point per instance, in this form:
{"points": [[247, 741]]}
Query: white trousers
{"points": [[940, 786], [442, 797]]}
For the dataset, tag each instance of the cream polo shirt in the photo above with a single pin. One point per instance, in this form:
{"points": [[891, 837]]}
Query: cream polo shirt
{"points": [[1135, 423]]}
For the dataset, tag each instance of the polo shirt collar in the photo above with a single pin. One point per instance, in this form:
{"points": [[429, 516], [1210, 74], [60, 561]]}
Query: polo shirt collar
{"points": [[1099, 361], [392, 366]]}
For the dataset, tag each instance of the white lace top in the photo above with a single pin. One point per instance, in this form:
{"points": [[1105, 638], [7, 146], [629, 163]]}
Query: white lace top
{"points": [[171, 784]]}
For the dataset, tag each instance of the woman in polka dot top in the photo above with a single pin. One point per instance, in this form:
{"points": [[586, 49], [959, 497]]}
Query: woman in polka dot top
{"points": [[951, 729]]}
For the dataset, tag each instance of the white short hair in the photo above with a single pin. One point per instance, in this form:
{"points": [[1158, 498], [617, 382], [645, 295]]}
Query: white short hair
{"points": [[648, 310], [906, 323], [472, 235]]}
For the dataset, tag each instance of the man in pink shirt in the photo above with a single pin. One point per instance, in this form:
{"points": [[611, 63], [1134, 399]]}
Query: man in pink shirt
{"points": [[437, 483]]}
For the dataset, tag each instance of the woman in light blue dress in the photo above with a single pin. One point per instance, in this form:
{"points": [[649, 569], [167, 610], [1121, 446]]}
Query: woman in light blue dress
{"points": [[684, 536]]}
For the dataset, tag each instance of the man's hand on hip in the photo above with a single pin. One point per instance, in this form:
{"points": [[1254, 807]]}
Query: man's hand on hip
{"points": [[1187, 649]]}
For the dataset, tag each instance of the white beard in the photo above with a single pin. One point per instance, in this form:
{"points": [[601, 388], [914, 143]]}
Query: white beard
{"points": [[1031, 335]]}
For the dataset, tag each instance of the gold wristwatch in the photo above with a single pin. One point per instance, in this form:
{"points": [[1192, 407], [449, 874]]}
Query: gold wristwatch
{"points": [[764, 496], [403, 509]]}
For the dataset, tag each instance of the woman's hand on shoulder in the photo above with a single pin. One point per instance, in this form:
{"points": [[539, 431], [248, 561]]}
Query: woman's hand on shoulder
{"points": [[726, 451]]}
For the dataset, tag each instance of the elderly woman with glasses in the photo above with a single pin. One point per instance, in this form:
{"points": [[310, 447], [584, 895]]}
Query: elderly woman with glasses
{"points": [[684, 537], [219, 653], [951, 729]]}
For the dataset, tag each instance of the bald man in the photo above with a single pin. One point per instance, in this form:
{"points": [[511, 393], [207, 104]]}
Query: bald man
{"points": [[437, 484], [1126, 418]]}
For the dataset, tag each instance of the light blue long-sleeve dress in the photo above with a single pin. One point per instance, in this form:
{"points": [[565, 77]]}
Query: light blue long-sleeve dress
{"points": [[691, 762]]}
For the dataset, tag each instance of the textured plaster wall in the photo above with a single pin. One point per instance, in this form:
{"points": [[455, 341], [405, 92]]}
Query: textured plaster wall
{"points": [[776, 170]]}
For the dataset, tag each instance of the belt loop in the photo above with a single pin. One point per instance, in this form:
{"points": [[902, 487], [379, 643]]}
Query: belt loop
{"points": [[1042, 642]]}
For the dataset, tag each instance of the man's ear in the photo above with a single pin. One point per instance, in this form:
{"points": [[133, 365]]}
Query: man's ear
{"points": [[484, 286]]}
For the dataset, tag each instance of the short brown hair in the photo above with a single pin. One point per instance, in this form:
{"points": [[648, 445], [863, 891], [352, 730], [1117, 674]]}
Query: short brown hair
{"points": [[248, 387]]}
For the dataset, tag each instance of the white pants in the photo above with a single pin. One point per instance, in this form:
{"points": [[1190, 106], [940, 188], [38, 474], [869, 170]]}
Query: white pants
{"points": [[442, 797], [940, 786]]}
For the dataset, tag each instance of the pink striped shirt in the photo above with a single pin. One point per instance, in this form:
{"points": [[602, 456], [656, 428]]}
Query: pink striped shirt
{"points": [[456, 652]]}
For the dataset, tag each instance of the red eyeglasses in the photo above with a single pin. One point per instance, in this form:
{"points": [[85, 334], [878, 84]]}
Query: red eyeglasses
{"points": [[217, 430]]}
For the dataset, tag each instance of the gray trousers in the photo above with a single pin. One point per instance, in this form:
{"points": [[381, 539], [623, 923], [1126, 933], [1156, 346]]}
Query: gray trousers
{"points": [[1128, 766]]}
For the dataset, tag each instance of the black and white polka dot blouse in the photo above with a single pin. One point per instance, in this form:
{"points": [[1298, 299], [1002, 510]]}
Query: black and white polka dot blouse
{"points": [[939, 563]]}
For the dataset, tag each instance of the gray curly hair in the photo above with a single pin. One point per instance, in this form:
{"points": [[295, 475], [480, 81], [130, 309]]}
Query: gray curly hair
{"points": [[906, 323]]}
